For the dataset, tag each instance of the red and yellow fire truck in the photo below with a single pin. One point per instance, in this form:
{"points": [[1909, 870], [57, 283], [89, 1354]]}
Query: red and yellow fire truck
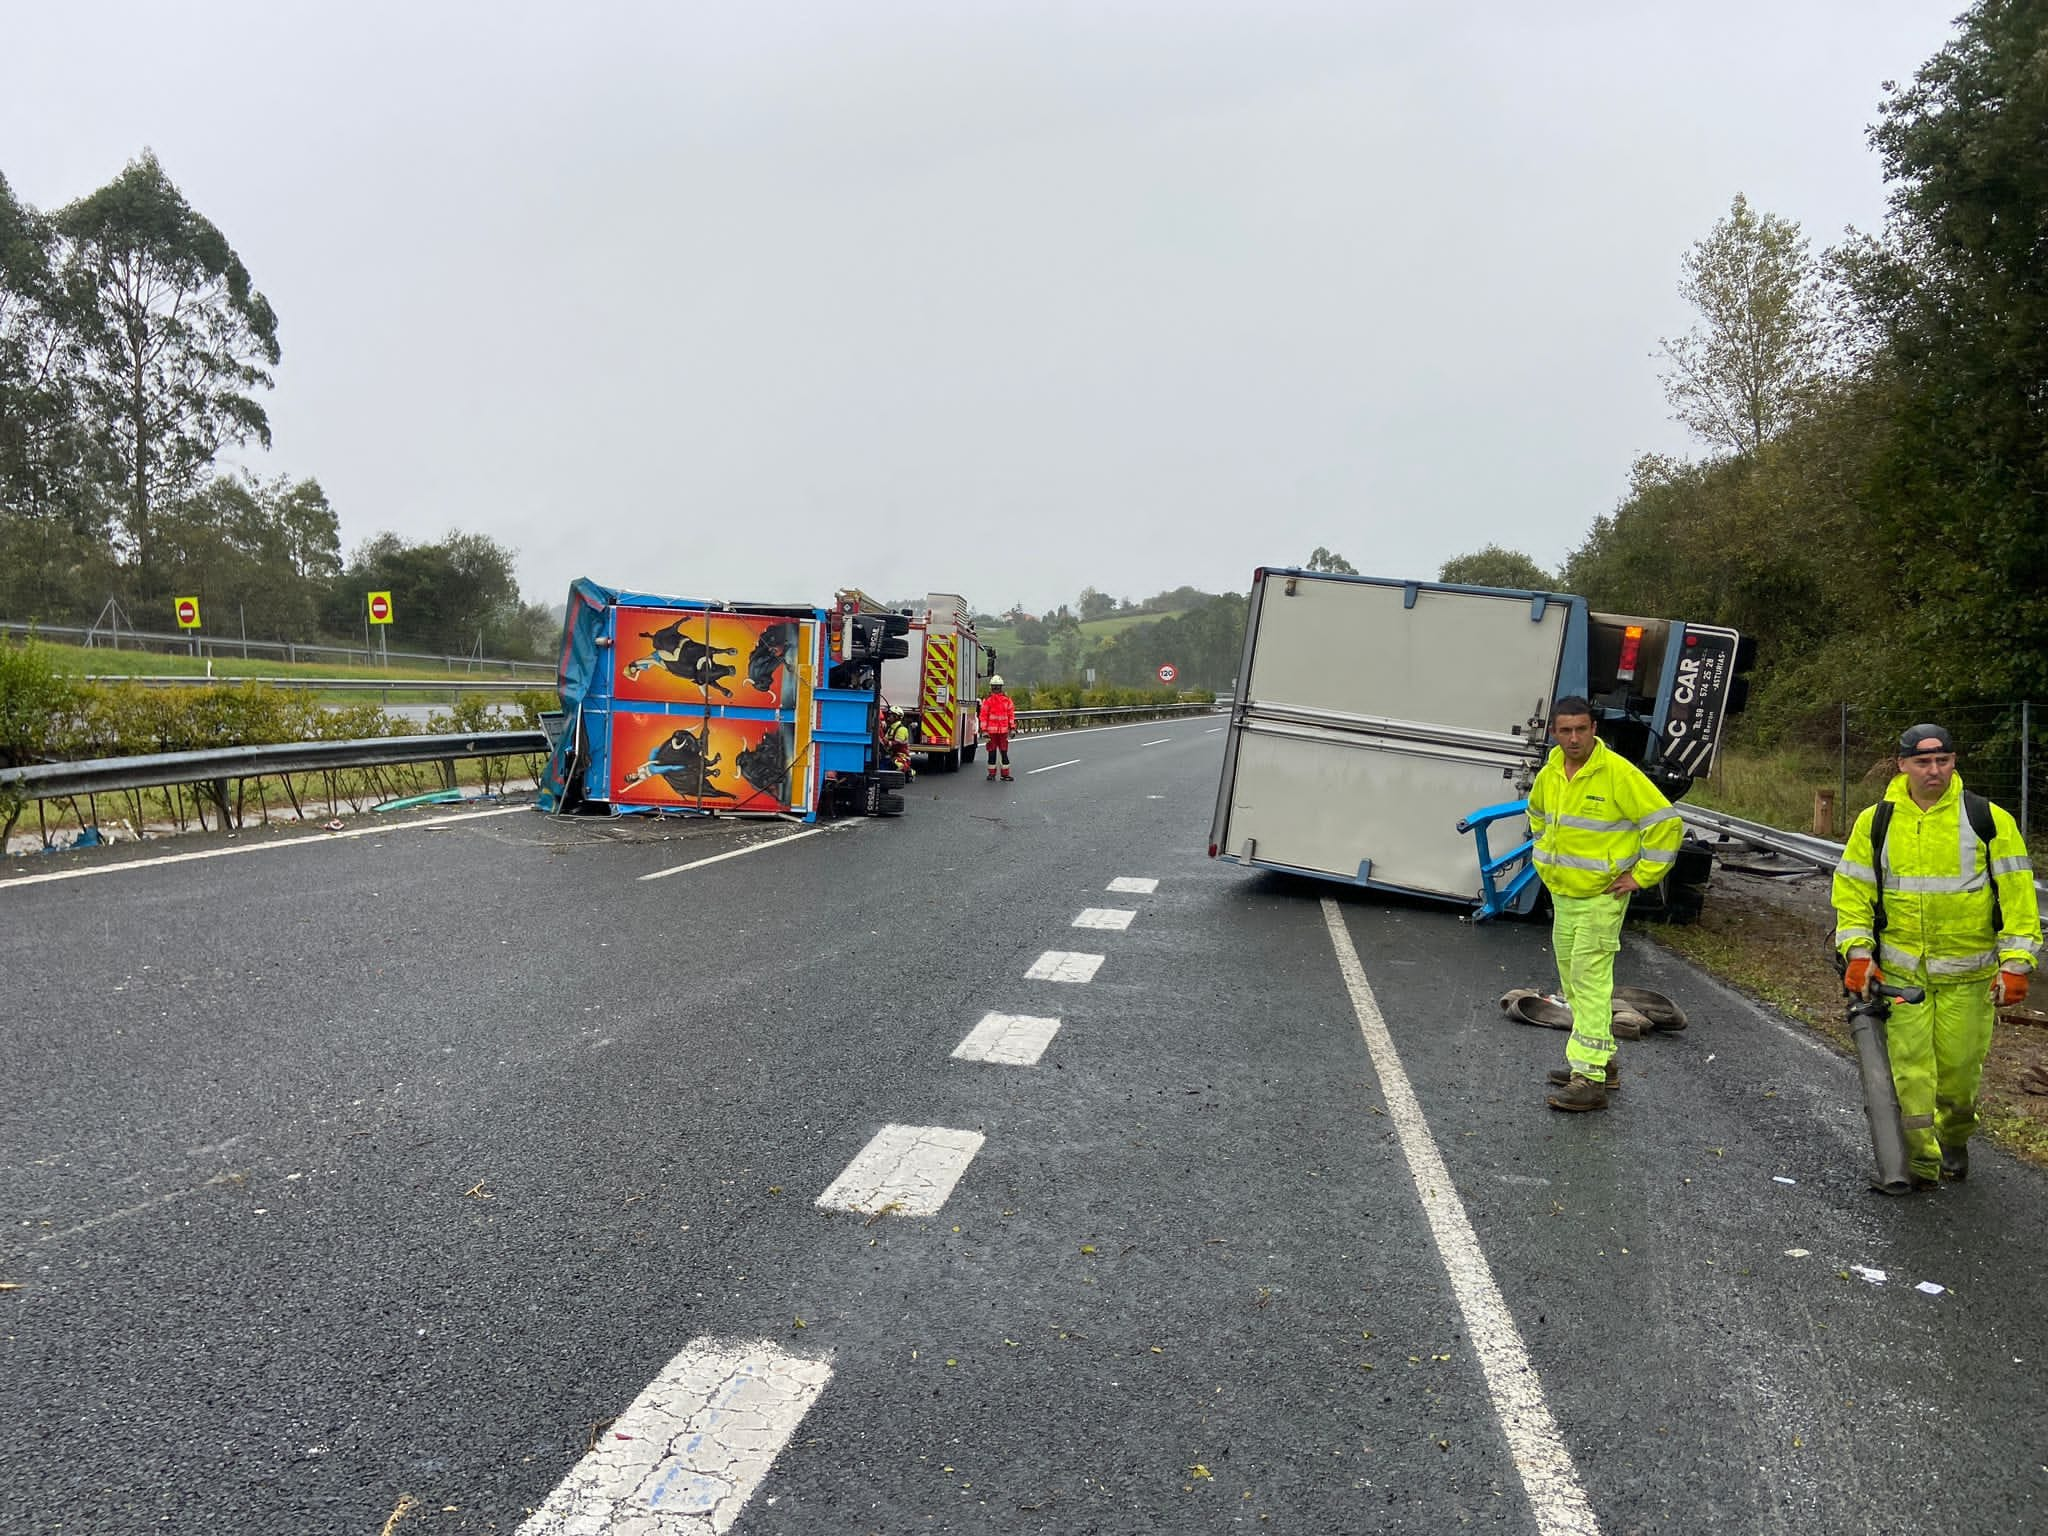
{"points": [[935, 684]]}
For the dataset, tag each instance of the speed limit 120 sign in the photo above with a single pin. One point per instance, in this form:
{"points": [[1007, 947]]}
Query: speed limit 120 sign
{"points": [[1168, 673]]}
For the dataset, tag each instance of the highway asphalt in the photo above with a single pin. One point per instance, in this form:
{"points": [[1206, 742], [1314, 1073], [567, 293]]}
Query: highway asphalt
{"points": [[363, 1184]]}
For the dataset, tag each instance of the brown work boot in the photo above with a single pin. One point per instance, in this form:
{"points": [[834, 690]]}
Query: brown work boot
{"points": [[1579, 1095], [1561, 1077], [1955, 1163]]}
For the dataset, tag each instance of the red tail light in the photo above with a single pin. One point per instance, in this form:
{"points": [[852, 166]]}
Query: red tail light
{"points": [[1631, 647]]}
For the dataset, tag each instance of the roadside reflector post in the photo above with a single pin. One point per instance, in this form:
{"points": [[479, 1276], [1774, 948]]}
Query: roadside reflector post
{"points": [[1823, 813]]}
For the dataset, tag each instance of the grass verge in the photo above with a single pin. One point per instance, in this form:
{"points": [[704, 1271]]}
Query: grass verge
{"points": [[1772, 944], [100, 661]]}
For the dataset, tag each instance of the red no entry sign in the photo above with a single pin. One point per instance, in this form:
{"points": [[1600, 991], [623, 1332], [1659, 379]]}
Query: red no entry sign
{"points": [[380, 607], [188, 613], [1168, 672]]}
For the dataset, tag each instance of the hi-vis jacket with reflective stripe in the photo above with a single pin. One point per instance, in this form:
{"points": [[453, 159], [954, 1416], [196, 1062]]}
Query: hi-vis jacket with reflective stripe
{"points": [[1937, 891], [1606, 820]]}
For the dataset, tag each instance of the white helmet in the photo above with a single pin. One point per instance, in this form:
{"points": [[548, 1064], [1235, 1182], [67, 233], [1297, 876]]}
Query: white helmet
{"points": [[994, 681]]}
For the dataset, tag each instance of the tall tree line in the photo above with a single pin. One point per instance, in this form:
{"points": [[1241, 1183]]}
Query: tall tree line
{"points": [[1874, 502], [134, 350]]}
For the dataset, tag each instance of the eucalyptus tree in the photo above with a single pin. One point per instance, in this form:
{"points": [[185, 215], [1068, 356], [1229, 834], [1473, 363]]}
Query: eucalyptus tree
{"points": [[175, 341]]}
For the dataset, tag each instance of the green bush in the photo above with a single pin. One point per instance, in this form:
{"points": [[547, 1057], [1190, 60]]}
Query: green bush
{"points": [[532, 703], [135, 720], [35, 700]]}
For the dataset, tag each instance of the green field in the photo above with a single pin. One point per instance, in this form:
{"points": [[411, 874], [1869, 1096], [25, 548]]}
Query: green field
{"points": [[1095, 629]]}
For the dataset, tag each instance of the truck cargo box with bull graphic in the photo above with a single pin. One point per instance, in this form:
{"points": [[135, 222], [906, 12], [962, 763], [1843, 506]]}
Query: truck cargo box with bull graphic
{"points": [[683, 704]]}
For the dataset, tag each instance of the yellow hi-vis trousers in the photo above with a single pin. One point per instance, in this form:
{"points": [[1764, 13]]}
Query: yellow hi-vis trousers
{"points": [[1937, 1050], [1586, 935]]}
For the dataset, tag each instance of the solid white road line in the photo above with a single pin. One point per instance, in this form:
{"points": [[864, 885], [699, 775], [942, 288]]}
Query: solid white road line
{"points": [[1137, 885], [1162, 741], [282, 842], [906, 1170], [734, 853], [1104, 917], [692, 1448], [1064, 965], [1048, 768], [1012, 1039], [1549, 1478]]}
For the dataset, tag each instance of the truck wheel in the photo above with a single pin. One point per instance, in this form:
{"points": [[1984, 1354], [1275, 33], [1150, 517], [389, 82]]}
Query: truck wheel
{"points": [[967, 752], [954, 761], [892, 805]]}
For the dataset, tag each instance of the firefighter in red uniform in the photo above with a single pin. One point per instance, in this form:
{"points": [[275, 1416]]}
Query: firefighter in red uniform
{"points": [[998, 716]]}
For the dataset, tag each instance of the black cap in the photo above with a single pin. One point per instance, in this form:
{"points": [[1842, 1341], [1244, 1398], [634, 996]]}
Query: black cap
{"points": [[1913, 740]]}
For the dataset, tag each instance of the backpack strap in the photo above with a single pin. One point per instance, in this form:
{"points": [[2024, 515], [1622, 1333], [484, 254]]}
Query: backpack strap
{"points": [[1880, 824], [1978, 809]]}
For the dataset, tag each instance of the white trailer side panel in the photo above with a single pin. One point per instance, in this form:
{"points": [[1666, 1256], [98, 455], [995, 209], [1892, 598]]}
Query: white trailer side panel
{"points": [[1359, 807], [1372, 716], [1460, 659]]}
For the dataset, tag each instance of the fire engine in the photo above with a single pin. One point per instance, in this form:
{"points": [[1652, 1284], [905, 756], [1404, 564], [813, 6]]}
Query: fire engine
{"points": [[934, 684]]}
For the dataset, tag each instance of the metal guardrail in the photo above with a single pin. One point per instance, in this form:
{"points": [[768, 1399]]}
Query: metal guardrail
{"points": [[1030, 721], [220, 765], [1819, 852]]}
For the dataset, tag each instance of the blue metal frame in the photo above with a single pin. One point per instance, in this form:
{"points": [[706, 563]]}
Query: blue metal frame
{"points": [[1516, 895]]}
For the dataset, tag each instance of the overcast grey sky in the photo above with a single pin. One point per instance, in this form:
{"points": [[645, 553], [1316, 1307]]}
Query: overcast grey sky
{"points": [[761, 300]]}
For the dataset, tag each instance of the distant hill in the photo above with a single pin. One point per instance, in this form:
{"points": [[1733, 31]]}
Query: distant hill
{"points": [[1004, 638]]}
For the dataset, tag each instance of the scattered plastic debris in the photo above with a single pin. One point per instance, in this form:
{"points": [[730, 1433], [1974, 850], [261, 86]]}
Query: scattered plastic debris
{"points": [[1798, 1253], [1864, 1271], [1779, 1178], [336, 825], [438, 797], [1929, 1288]]}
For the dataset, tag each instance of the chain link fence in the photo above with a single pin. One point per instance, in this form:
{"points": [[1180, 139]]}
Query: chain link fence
{"points": [[2001, 752]]}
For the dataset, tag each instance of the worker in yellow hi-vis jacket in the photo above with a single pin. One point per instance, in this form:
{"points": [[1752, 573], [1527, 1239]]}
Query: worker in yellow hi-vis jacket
{"points": [[1601, 831], [1935, 891]]}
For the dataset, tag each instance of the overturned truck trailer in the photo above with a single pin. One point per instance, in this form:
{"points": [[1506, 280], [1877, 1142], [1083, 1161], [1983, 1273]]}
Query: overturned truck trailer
{"points": [[1376, 722], [753, 709]]}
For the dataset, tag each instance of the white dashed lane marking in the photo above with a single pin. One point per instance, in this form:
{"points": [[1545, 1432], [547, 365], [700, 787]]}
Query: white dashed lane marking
{"points": [[1104, 917], [1549, 1477], [1064, 965], [734, 853], [1136, 885], [1048, 768], [1011, 1039], [906, 1170], [692, 1448], [1162, 741]]}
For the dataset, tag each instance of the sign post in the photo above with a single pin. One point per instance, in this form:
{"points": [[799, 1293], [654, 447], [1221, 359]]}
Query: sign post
{"points": [[187, 609], [380, 615]]}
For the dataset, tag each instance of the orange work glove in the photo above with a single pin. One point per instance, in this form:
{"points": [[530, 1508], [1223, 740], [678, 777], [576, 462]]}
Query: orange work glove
{"points": [[2011, 987], [1861, 976]]}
